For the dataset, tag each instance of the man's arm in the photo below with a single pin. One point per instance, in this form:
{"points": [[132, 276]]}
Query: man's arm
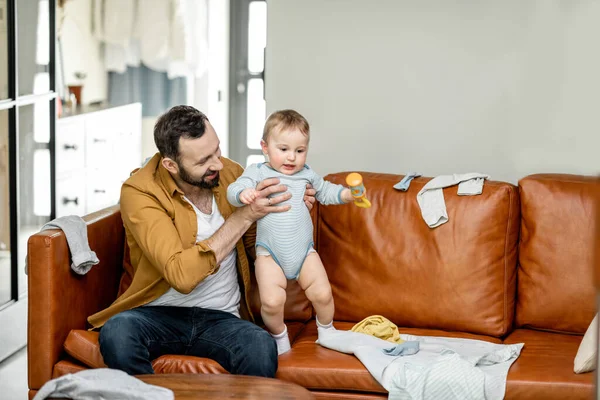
{"points": [[155, 233], [153, 230]]}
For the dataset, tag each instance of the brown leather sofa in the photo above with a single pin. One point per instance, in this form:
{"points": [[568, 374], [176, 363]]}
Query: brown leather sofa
{"points": [[514, 264]]}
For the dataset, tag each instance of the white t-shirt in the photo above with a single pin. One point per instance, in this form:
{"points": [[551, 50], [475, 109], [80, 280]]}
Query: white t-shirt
{"points": [[220, 291]]}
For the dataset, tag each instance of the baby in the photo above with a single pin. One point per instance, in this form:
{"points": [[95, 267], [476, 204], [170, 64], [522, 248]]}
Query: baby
{"points": [[284, 241]]}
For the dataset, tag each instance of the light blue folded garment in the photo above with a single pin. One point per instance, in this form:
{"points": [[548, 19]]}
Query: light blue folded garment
{"points": [[403, 349], [404, 184]]}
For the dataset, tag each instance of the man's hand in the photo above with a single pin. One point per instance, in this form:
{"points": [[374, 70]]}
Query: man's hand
{"points": [[263, 204], [225, 238], [309, 197]]}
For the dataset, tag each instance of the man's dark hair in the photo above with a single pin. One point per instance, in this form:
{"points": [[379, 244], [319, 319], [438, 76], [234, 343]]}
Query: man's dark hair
{"points": [[179, 121]]}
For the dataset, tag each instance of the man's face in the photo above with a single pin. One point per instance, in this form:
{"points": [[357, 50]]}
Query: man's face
{"points": [[199, 160]]}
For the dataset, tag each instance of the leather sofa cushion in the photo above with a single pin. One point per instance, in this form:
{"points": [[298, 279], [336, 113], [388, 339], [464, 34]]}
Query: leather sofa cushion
{"points": [[312, 366], [83, 346], [162, 365], [170, 364], [544, 370], [556, 274], [385, 260], [64, 367], [329, 395]]}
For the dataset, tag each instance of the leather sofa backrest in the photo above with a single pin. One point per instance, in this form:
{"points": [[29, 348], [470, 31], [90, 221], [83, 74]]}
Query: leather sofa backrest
{"points": [[385, 260], [555, 276]]}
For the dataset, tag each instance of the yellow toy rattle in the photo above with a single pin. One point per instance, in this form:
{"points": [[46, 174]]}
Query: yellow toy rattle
{"points": [[355, 181]]}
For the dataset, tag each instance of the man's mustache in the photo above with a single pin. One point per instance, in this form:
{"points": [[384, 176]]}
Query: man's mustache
{"points": [[209, 173]]}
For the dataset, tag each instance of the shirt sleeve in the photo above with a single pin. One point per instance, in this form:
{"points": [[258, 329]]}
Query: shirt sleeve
{"points": [[327, 192], [154, 231], [249, 239], [249, 179]]}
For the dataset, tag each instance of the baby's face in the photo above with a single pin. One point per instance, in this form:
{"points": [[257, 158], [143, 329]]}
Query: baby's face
{"points": [[286, 151]]}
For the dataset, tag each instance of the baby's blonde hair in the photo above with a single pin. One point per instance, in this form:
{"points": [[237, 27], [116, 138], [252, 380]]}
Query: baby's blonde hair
{"points": [[285, 119]]}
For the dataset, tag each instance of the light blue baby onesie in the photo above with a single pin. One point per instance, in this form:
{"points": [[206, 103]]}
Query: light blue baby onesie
{"points": [[287, 236]]}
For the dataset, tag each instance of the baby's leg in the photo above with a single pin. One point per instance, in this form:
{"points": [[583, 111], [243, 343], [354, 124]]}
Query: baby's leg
{"points": [[271, 287], [313, 280]]}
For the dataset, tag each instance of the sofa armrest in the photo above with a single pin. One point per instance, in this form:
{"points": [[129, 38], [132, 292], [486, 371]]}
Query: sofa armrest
{"points": [[61, 300]]}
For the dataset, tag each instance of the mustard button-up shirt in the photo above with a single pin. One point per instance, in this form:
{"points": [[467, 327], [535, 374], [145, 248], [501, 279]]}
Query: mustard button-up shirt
{"points": [[161, 228]]}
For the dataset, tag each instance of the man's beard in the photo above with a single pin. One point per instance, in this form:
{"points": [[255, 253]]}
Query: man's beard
{"points": [[202, 182]]}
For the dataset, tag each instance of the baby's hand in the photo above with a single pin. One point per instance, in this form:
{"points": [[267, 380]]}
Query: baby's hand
{"points": [[248, 196], [347, 196]]}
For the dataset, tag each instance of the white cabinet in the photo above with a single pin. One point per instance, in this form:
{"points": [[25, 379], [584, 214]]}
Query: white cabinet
{"points": [[96, 150], [70, 194], [70, 145]]}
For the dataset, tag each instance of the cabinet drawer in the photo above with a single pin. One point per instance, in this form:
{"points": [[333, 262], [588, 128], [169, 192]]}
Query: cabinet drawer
{"points": [[70, 142], [70, 195], [103, 190], [98, 147]]}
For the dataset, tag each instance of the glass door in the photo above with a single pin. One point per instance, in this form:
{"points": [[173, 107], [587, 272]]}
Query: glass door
{"points": [[247, 79], [5, 259], [3, 51], [27, 117]]}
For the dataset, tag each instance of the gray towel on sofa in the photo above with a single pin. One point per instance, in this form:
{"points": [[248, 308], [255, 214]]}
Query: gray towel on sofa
{"points": [[75, 229], [102, 383], [431, 197]]}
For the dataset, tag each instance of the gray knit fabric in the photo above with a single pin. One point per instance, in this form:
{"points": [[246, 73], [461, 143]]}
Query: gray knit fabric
{"points": [[75, 229], [102, 383]]}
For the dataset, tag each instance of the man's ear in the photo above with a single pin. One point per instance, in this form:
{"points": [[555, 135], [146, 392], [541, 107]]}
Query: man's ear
{"points": [[170, 165]]}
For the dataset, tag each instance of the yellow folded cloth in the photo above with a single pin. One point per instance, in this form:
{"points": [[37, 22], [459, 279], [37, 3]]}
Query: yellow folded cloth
{"points": [[380, 327]]}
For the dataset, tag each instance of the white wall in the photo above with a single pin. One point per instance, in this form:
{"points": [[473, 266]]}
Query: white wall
{"points": [[148, 146], [507, 88], [81, 51]]}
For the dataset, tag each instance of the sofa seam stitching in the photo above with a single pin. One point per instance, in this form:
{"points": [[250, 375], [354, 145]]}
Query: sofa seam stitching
{"points": [[505, 258]]}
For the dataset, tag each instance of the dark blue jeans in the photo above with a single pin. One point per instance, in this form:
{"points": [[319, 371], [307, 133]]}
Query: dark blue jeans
{"points": [[130, 340]]}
